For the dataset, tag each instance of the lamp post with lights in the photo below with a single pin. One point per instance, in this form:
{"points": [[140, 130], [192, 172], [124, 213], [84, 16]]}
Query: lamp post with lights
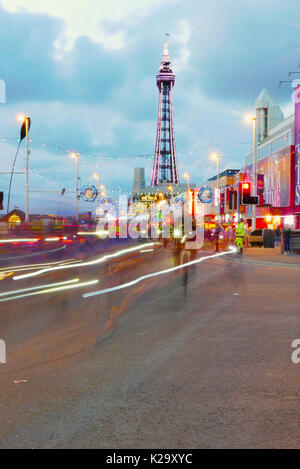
{"points": [[76, 157], [254, 162], [26, 122], [216, 157]]}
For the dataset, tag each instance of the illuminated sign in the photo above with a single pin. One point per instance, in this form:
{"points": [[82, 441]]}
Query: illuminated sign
{"points": [[89, 193], [206, 195], [148, 198], [297, 145]]}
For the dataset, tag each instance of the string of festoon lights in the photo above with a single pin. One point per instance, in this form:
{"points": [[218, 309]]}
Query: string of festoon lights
{"points": [[123, 158], [109, 160]]}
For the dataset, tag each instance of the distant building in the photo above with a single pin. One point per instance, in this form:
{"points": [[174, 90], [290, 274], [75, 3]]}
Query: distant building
{"points": [[139, 182]]}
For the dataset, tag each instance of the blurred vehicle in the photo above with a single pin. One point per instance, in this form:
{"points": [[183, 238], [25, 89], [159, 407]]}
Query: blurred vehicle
{"points": [[255, 238]]}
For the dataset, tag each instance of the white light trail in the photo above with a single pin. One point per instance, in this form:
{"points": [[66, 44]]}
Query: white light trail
{"points": [[147, 250], [23, 240], [100, 260], [51, 290], [40, 287], [20, 268], [156, 274], [93, 233]]}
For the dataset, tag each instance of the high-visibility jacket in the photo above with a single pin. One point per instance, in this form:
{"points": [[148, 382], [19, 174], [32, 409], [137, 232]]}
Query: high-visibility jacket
{"points": [[240, 230]]}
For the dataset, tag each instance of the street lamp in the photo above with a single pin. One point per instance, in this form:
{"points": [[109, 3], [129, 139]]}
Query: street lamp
{"points": [[76, 156], [216, 156], [97, 177], [26, 121], [252, 119], [171, 189]]}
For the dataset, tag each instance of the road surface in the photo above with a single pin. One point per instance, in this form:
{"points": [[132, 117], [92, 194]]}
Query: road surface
{"points": [[156, 365]]}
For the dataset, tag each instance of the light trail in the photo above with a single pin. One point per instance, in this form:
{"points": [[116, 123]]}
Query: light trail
{"points": [[100, 260], [51, 290], [20, 240], [147, 250], [93, 233], [156, 274], [20, 268], [40, 287]]}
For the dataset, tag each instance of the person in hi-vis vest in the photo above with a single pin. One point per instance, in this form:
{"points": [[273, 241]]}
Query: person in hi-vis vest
{"points": [[239, 235]]}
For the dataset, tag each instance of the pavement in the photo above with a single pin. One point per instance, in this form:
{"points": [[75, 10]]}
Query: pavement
{"points": [[268, 256], [174, 361]]}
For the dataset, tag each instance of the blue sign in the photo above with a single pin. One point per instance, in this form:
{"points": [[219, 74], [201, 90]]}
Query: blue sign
{"points": [[206, 195], [89, 193]]}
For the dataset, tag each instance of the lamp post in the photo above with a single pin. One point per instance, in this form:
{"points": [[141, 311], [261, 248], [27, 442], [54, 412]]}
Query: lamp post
{"points": [[254, 174], [26, 122], [254, 163], [76, 156], [171, 189], [216, 157], [97, 177]]}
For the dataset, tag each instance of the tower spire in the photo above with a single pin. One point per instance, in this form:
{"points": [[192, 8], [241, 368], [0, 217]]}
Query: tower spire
{"points": [[165, 164]]}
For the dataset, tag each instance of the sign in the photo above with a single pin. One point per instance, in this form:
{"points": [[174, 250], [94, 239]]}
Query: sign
{"points": [[206, 195], [274, 178], [297, 145], [148, 198], [89, 193]]}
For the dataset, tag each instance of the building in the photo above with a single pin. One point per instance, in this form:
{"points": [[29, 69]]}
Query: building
{"points": [[275, 165]]}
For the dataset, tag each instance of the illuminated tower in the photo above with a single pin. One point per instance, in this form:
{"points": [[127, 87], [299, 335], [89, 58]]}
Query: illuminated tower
{"points": [[165, 165]]}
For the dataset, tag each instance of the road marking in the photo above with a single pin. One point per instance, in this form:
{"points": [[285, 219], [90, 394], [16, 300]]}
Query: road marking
{"points": [[156, 274]]}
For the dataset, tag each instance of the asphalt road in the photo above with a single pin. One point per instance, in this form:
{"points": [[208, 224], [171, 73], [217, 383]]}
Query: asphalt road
{"points": [[155, 365]]}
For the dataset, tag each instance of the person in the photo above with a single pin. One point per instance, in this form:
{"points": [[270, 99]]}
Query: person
{"points": [[239, 235], [287, 240], [217, 236], [277, 236]]}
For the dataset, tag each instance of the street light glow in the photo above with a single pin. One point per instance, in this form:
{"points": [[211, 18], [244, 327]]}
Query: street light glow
{"points": [[248, 118], [215, 156]]}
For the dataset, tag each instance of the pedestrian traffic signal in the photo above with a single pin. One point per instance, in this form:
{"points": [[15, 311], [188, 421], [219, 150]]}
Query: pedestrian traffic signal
{"points": [[246, 197], [1, 200]]}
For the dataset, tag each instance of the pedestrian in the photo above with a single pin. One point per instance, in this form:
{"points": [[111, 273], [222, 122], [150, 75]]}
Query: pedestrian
{"points": [[277, 236], [287, 232], [239, 236], [217, 236]]}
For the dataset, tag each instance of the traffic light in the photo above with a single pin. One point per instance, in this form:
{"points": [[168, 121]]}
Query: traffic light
{"points": [[246, 197], [1, 200]]}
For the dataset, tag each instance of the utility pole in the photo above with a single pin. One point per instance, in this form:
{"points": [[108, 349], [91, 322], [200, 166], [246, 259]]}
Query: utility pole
{"points": [[76, 156], [27, 174], [254, 180]]}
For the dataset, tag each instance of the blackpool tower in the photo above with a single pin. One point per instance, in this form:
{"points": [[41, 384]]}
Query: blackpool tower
{"points": [[165, 164]]}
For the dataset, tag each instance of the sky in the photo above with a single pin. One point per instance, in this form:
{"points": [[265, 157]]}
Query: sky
{"points": [[85, 72]]}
